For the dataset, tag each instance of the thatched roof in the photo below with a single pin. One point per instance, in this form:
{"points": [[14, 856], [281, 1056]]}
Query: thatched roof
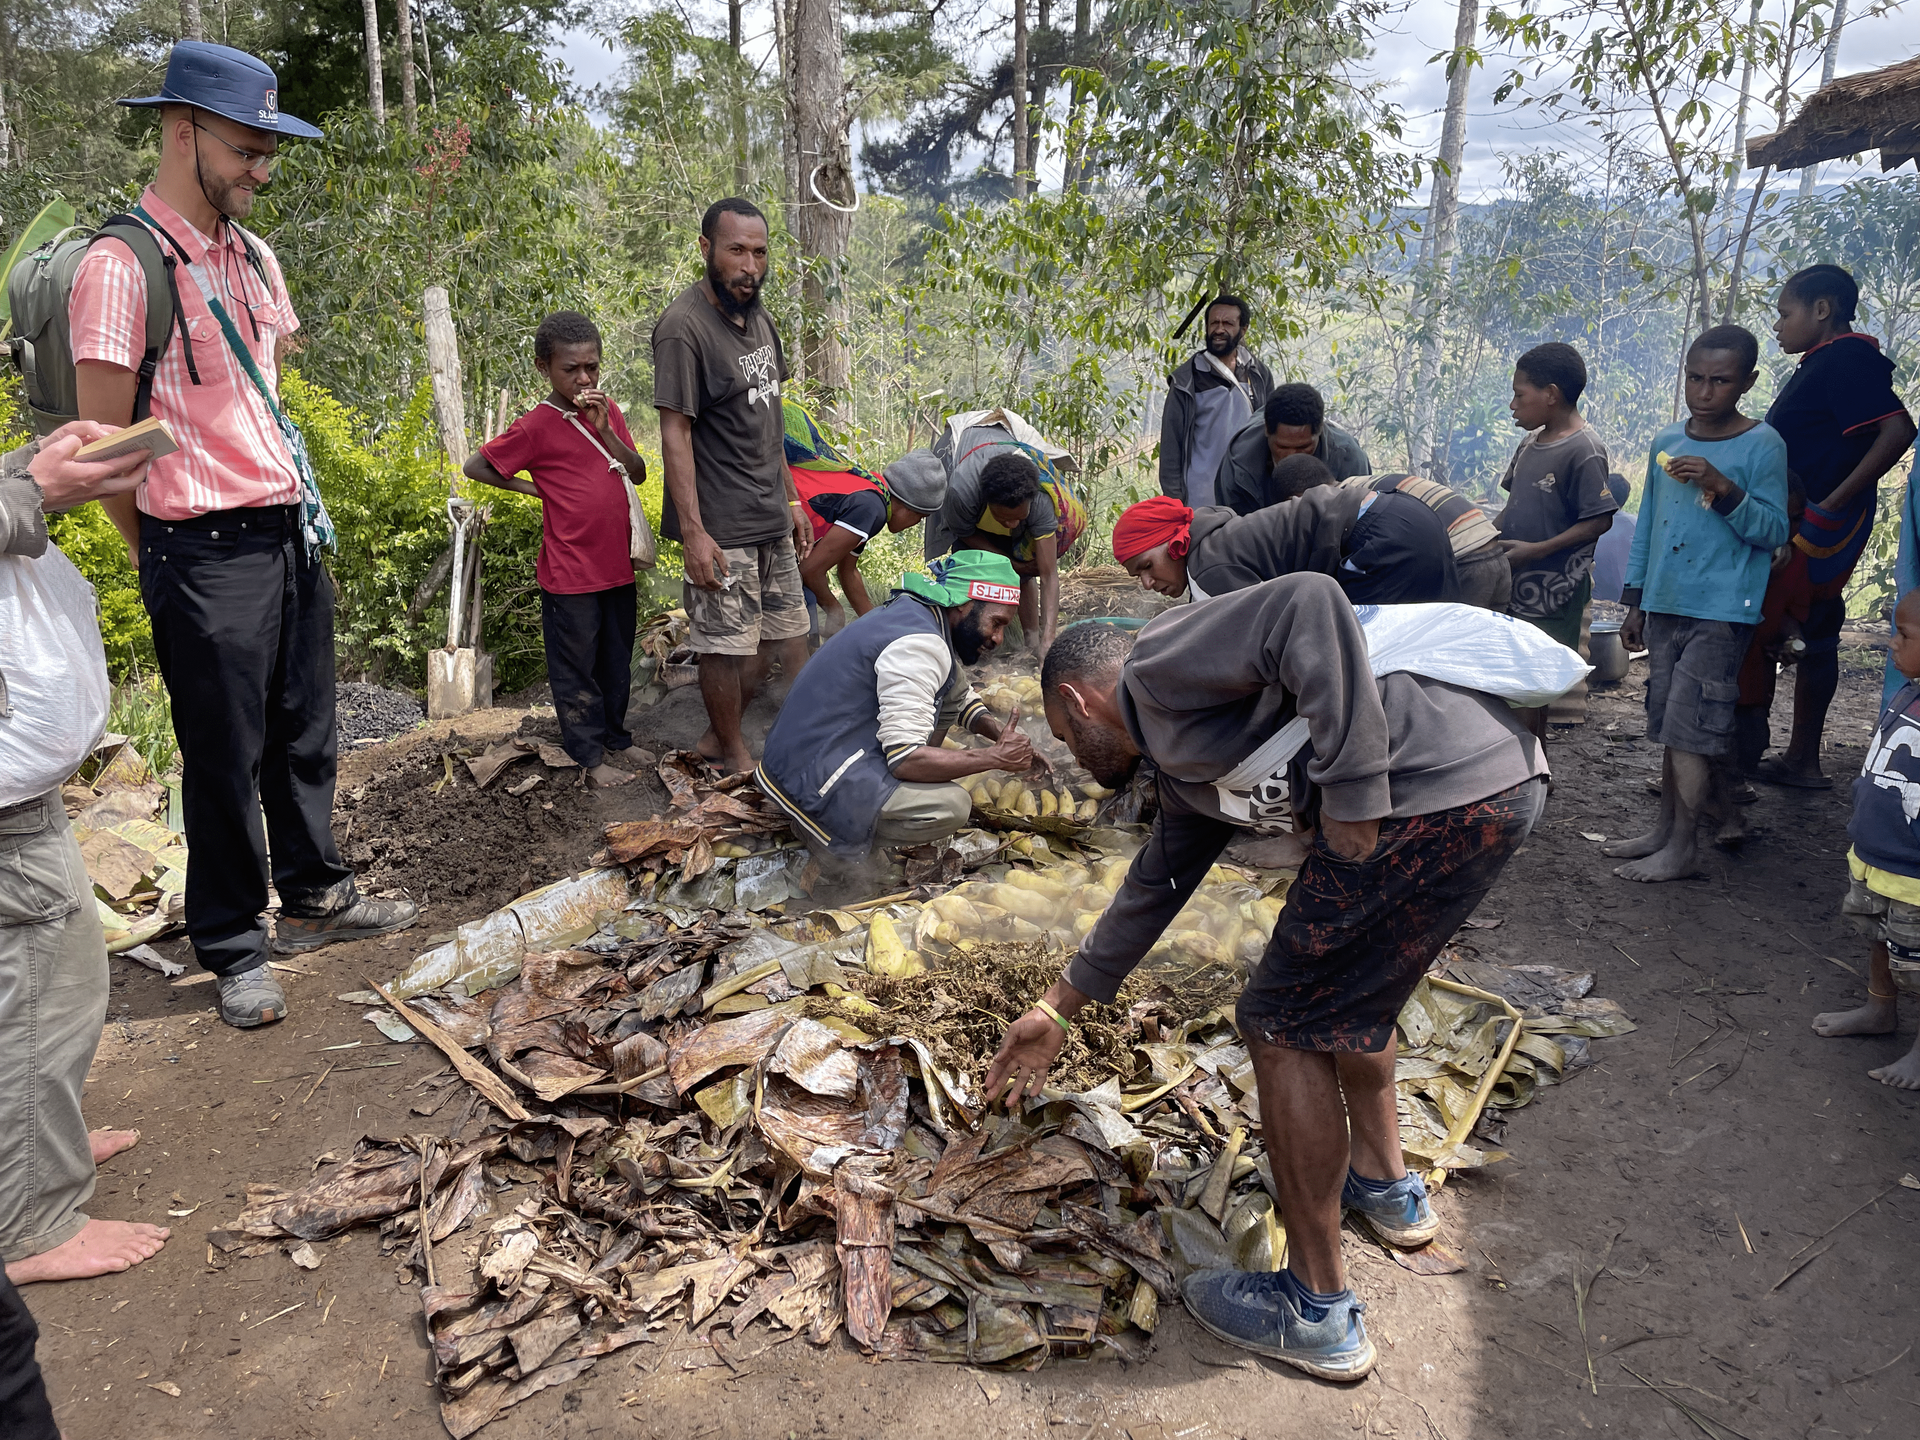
{"points": [[1877, 109]]}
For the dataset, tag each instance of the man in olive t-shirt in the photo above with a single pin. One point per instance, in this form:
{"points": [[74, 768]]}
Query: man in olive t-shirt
{"points": [[717, 368]]}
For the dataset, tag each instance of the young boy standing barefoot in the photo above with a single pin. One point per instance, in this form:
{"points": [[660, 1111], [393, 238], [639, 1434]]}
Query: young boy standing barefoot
{"points": [[576, 446], [1883, 902], [1714, 508]]}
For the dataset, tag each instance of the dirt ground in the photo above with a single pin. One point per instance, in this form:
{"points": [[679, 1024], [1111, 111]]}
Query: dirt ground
{"points": [[1686, 1169]]}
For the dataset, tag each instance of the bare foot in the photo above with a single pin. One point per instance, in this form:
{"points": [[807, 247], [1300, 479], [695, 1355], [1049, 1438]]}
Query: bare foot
{"points": [[604, 775], [727, 762], [109, 1143], [1732, 834], [1904, 1073], [1675, 862], [643, 759], [1639, 845], [103, 1247], [1876, 1017]]}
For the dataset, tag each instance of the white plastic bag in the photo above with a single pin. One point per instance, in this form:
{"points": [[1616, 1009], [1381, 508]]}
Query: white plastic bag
{"points": [[55, 673], [1473, 648]]}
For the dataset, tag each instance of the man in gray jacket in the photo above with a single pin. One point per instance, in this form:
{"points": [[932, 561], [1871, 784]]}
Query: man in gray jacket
{"points": [[1260, 713], [1208, 399], [1294, 422], [53, 958]]}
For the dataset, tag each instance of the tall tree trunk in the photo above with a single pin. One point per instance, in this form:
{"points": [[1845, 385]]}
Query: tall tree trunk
{"points": [[1812, 172], [737, 104], [784, 51], [822, 219], [426, 56], [1739, 161], [1074, 168], [191, 27], [376, 86], [1037, 90], [1018, 162], [1443, 229], [403, 27]]}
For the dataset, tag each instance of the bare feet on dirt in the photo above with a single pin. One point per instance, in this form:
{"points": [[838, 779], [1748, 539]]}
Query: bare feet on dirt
{"points": [[1637, 846], [1904, 1073], [604, 775], [103, 1247], [638, 758], [1876, 1017], [1675, 862], [108, 1143]]}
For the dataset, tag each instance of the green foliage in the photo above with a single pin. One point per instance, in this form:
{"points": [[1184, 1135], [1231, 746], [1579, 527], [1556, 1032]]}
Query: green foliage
{"points": [[388, 500], [142, 711], [1234, 152]]}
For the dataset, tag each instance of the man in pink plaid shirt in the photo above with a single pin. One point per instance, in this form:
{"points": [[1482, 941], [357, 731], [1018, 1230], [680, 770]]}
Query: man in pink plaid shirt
{"points": [[226, 534]]}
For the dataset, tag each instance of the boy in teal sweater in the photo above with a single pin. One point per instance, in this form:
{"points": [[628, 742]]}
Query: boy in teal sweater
{"points": [[1714, 508]]}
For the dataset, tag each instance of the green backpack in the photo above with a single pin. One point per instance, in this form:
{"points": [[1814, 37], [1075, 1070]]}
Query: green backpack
{"points": [[39, 288]]}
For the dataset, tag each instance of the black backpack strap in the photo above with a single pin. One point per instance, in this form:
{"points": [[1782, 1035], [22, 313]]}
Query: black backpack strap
{"points": [[163, 303]]}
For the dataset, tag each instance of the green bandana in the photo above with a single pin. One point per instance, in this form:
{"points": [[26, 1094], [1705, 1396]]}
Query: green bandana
{"points": [[966, 575]]}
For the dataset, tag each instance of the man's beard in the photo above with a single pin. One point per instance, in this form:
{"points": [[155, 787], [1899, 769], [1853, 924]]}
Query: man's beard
{"points": [[971, 640], [1102, 753], [730, 302], [226, 197], [1224, 348]]}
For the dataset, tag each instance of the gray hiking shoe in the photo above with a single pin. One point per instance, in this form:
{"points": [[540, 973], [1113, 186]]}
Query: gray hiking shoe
{"points": [[1263, 1312], [361, 919], [250, 998], [1399, 1214]]}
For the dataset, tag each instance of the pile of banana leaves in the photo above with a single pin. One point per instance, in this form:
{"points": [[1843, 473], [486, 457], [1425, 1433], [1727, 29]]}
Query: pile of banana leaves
{"points": [[687, 1111]]}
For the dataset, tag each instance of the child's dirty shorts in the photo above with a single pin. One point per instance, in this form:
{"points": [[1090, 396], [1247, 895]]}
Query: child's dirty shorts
{"points": [[1881, 917]]}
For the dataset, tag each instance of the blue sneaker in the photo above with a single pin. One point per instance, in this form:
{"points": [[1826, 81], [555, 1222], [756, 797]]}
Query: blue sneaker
{"points": [[1262, 1312], [1399, 1215]]}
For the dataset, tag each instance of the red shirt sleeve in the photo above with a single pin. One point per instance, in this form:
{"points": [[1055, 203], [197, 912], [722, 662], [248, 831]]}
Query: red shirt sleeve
{"points": [[515, 448], [619, 423]]}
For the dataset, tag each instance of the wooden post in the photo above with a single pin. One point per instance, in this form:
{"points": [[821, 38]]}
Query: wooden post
{"points": [[459, 678], [443, 364], [376, 86]]}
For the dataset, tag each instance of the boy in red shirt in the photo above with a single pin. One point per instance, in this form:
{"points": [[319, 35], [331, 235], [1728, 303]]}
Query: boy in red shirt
{"points": [[576, 447]]}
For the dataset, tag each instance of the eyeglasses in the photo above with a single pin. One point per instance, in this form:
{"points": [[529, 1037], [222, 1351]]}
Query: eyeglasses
{"points": [[251, 159]]}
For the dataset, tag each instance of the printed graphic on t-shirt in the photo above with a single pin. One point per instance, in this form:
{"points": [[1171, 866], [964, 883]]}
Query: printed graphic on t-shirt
{"points": [[762, 370], [1899, 737], [1256, 794]]}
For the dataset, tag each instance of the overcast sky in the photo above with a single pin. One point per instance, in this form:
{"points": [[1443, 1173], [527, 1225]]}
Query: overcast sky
{"points": [[1401, 57]]}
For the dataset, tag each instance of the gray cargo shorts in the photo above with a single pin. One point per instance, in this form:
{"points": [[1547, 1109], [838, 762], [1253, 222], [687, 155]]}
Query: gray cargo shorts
{"points": [[1693, 681]]}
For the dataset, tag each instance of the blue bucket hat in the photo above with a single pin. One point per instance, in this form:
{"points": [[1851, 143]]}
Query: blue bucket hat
{"points": [[228, 82]]}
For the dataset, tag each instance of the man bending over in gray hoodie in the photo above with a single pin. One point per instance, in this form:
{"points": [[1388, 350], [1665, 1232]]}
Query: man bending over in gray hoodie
{"points": [[1260, 712]]}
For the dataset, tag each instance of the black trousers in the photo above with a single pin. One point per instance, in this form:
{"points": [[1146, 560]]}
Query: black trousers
{"points": [[24, 1411], [243, 626], [589, 642]]}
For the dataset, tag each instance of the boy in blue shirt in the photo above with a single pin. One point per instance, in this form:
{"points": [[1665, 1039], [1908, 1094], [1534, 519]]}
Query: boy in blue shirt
{"points": [[1712, 511], [1883, 902]]}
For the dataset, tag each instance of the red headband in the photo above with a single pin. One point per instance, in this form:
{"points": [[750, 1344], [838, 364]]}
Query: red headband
{"points": [[1162, 520]]}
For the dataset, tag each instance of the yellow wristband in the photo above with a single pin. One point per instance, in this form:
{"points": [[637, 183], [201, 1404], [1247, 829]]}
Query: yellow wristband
{"points": [[1052, 1014]]}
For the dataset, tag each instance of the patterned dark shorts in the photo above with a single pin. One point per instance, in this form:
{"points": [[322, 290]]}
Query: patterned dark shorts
{"points": [[1355, 936]]}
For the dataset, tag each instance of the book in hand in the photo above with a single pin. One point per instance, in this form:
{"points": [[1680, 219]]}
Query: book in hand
{"points": [[149, 434]]}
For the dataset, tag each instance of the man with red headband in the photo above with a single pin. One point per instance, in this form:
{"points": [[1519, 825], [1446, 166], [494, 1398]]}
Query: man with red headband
{"points": [[1387, 542]]}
